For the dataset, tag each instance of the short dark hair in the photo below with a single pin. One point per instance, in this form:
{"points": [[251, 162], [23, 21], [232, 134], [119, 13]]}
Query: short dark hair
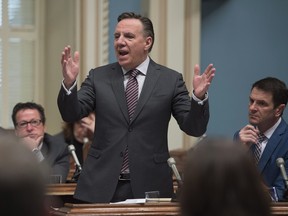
{"points": [[276, 87], [146, 22], [28, 105], [220, 178]]}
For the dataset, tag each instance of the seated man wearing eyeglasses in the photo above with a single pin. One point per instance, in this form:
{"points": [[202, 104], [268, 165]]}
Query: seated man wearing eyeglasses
{"points": [[29, 122]]}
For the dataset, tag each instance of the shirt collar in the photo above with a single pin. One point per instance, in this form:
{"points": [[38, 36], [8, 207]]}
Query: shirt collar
{"points": [[271, 130], [143, 67]]}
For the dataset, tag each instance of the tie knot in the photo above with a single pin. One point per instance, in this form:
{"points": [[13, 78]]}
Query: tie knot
{"points": [[134, 73], [261, 137]]}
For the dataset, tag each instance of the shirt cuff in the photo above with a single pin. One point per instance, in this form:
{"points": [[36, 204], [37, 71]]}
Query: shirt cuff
{"points": [[38, 154], [200, 102], [68, 91]]}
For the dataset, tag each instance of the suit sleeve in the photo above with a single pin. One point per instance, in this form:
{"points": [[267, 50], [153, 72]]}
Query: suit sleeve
{"points": [[77, 104], [192, 117]]}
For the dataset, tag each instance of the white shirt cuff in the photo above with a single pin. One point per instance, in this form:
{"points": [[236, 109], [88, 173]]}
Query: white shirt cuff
{"points": [[68, 91], [200, 102]]}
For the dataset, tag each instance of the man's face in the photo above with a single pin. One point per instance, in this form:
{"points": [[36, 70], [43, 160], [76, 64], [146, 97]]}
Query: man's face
{"points": [[130, 44], [33, 129], [261, 109]]}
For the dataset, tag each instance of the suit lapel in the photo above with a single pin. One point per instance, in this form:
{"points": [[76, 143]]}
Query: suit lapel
{"points": [[44, 148], [151, 79], [117, 81], [272, 145]]}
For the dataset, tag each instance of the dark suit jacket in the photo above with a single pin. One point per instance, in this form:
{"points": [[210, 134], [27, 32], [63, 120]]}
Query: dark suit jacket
{"points": [[164, 93], [56, 155], [276, 147]]}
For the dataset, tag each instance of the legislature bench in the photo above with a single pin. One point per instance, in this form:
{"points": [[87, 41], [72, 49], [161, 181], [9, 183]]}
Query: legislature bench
{"points": [[59, 194], [156, 209], [143, 209], [62, 204]]}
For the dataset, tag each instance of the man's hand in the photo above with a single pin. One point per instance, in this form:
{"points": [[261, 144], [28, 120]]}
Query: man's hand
{"points": [[32, 142], [89, 122], [248, 135], [70, 66], [202, 82]]}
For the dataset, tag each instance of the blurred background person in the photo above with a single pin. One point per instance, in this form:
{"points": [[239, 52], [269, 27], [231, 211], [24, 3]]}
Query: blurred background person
{"points": [[29, 122], [221, 179], [22, 185], [2, 130], [80, 135]]}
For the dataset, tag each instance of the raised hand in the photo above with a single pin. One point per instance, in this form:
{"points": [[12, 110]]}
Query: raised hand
{"points": [[202, 82], [248, 135], [70, 66]]}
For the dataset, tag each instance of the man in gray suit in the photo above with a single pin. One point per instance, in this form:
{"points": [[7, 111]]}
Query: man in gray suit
{"points": [[142, 132], [29, 122]]}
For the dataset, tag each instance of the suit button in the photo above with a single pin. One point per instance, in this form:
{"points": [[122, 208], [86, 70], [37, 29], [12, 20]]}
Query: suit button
{"points": [[130, 129], [121, 154]]}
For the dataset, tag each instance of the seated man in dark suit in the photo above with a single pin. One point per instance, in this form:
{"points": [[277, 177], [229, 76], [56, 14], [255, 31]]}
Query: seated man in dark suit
{"points": [[29, 122], [268, 99]]}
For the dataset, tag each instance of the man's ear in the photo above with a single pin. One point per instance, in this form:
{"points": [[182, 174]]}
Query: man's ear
{"points": [[148, 43], [279, 110]]}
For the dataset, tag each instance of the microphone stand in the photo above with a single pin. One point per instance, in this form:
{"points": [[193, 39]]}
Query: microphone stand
{"points": [[176, 195], [172, 163], [285, 195], [76, 174], [78, 168]]}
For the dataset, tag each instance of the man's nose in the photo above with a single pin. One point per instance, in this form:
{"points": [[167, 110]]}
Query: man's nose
{"points": [[120, 40], [252, 106], [29, 127]]}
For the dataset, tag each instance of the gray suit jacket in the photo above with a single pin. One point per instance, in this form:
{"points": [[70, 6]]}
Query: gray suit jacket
{"points": [[164, 93], [56, 156]]}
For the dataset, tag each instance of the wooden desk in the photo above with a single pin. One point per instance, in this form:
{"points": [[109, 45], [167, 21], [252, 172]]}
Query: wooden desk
{"points": [[280, 208], [155, 209], [59, 194], [60, 189], [146, 209]]}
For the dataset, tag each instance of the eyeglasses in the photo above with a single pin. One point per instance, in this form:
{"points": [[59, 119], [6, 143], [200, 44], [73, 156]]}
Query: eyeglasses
{"points": [[33, 123]]}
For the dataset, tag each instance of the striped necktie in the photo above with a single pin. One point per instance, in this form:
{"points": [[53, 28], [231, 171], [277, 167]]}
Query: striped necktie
{"points": [[257, 150], [131, 99]]}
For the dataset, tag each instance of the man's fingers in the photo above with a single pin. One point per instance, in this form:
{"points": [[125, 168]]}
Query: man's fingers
{"points": [[210, 70], [76, 57], [196, 70]]}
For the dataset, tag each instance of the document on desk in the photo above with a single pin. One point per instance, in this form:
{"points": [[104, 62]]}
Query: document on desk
{"points": [[149, 200], [128, 201]]}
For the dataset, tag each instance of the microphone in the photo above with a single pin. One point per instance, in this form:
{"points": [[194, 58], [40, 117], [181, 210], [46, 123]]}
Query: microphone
{"points": [[71, 149], [280, 163], [172, 163]]}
